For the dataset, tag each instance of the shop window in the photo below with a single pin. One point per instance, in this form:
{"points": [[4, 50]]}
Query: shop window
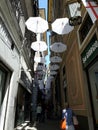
{"points": [[85, 28], [3, 77]]}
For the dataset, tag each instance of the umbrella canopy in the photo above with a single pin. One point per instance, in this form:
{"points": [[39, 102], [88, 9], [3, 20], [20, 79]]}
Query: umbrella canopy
{"points": [[38, 58], [50, 77], [61, 26], [40, 67], [53, 73], [39, 46], [58, 47], [56, 59], [37, 24], [40, 72], [41, 84], [54, 67]]}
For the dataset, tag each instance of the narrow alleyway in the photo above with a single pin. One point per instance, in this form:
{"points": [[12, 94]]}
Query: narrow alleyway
{"points": [[48, 124]]}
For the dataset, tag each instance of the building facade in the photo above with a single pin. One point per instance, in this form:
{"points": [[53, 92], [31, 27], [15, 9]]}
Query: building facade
{"points": [[15, 62], [78, 70]]}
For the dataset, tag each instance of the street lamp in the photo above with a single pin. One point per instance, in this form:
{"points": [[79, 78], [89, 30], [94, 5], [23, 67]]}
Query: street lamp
{"points": [[74, 12]]}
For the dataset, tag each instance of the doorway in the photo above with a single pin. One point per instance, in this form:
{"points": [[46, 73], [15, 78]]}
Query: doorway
{"points": [[93, 77]]}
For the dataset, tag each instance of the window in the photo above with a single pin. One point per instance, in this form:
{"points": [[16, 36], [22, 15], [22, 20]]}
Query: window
{"points": [[3, 77], [85, 28]]}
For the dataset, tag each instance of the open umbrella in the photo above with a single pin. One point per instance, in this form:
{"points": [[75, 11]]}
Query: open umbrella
{"points": [[40, 67], [58, 47], [61, 26], [40, 72], [39, 46], [37, 24], [54, 67], [53, 72], [50, 77], [38, 58], [56, 59]]}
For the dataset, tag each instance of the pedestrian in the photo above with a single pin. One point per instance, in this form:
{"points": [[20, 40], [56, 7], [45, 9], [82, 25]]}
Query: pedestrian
{"points": [[39, 111], [67, 113]]}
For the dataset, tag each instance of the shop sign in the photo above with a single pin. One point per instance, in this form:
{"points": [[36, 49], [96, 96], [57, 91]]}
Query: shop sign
{"points": [[90, 52]]}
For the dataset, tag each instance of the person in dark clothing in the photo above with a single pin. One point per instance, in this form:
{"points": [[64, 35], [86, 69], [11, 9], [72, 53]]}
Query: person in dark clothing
{"points": [[67, 113]]}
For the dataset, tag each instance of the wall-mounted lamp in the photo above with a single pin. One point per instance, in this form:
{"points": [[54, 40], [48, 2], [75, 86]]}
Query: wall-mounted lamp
{"points": [[74, 12]]}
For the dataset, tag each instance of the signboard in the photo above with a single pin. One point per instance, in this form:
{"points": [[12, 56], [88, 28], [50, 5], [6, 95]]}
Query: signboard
{"points": [[90, 52], [92, 9]]}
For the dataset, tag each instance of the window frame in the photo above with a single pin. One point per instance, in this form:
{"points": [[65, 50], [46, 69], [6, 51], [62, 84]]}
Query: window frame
{"points": [[90, 33], [7, 72]]}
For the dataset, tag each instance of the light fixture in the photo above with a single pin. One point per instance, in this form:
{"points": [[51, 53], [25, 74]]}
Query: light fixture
{"points": [[74, 12]]}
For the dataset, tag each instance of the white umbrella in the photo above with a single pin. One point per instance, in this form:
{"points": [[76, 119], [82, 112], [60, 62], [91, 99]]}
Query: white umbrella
{"points": [[37, 24], [39, 46], [40, 72], [40, 67], [61, 26], [53, 73], [58, 47], [38, 58], [56, 59], [41, 84], [50, 77], [54, 67]]}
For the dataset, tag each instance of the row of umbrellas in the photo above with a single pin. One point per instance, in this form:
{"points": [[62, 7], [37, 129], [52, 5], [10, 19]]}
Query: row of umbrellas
{"points": [[39, 25]]}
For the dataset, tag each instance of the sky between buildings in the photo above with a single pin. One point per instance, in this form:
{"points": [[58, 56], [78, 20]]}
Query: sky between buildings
{"points": [[44, 4]]}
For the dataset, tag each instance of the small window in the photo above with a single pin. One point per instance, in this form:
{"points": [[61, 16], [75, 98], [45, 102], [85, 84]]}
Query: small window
{"points": [[3, 77], [85, 28]]}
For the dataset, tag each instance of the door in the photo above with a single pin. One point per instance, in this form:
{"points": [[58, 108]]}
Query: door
{"points": [[93, 76]]}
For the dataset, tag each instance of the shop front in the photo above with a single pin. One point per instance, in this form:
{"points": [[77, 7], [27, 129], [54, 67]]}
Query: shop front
{"points": [[23, 104], [90, 63]]}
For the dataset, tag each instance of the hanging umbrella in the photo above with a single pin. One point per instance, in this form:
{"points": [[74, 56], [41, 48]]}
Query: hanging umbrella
{"points": [[58, 47], [50, 77], [38, 58], [41, 84], [37, 24], [56, 59], [53, 73], [40, 67], [61, 26], [54, 67], [40, 72], [39, 46]]}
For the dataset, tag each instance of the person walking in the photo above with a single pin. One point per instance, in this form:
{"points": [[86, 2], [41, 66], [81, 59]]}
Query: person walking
{"points": [[39, 111], [67, 113]]}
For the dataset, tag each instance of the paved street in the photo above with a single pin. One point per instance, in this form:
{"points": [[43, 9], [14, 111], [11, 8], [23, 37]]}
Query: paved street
{"points": [[49, 125]]}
